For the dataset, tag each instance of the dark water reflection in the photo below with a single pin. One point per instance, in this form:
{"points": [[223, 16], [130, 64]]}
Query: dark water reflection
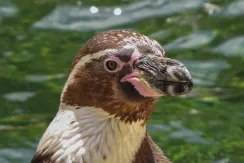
{"points": [[39, 38]]}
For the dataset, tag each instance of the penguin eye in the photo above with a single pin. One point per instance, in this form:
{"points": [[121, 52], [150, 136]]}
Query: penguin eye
{"points": [[111, 65]]}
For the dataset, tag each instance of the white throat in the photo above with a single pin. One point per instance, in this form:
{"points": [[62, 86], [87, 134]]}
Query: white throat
{"points": [[90, 134]]}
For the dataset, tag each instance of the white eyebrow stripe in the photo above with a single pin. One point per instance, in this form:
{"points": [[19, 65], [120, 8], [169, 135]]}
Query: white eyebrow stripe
{"points": [[83, 61]]}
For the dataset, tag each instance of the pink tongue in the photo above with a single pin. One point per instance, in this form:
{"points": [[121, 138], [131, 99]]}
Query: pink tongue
{"points": [[142, 89]]}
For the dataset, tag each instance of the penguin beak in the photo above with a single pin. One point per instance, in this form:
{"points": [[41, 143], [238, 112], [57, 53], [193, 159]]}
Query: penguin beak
{"points": [[155, 76], [165, 75]]}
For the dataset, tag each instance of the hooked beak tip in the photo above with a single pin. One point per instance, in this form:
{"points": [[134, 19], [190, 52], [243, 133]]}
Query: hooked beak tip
{"points": [[179, 74], [168, 76]]}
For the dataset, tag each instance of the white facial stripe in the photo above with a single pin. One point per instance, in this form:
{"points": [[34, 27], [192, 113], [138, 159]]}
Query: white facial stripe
{"points": [[83, 61]]}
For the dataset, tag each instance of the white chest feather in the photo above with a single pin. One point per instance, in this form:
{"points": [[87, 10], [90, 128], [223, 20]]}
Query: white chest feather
{"points": [[91, 135]]}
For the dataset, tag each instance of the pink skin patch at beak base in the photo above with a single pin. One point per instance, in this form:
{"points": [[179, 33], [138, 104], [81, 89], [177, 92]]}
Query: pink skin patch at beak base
{"points": [[141, 86]]}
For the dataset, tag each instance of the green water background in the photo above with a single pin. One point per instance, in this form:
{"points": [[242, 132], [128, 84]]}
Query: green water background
{"points": [[206, 126]]}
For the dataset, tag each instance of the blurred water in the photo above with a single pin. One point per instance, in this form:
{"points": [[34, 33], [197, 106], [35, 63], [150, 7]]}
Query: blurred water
{"points": [[15, 155], [231, 47], [18, 96], [176, 130], [235, 8], [7, 9], [193, 41], [205, 72], [161, 34], [39, 39], [92, 18], [42, 78]]}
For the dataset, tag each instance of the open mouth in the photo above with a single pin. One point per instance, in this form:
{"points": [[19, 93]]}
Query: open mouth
{"points": [[140, 85]]}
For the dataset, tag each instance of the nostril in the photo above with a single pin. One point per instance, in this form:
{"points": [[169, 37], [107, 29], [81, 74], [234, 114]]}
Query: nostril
{"points": [[163, 70]]}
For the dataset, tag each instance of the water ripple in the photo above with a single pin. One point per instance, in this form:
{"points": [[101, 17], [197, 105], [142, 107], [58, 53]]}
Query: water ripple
{"points": [[7, 9], [43, 78], [161, 34], [18, 96], [205, 73], [193, 41], [178, 131], [231, 47], [20, 155], [92, 18], [235, 8]]}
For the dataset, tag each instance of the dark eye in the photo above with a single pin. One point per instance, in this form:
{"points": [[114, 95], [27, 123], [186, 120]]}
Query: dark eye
{"points": [[111, 65]]}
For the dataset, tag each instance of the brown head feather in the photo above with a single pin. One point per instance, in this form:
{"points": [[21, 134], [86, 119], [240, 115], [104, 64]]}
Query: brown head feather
{"points": [[93, 86]]}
